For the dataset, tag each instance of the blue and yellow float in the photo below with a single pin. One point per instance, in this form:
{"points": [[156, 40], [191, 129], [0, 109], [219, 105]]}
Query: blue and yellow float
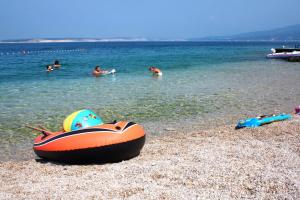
{"points": [[81, 119]]}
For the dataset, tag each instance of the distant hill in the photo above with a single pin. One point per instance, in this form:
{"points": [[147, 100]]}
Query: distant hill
{"points": [[288, 33]]}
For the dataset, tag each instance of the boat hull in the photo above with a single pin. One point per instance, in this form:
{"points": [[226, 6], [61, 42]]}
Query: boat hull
{"points": [[283, 55]]}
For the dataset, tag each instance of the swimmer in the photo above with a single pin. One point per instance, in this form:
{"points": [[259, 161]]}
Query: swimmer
{"points": [[56, 64], [49, 68], [155, 71], [98, 71]]}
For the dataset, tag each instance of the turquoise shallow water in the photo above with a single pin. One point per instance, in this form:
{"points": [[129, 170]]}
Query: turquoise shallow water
{"points": [[204, 84]]}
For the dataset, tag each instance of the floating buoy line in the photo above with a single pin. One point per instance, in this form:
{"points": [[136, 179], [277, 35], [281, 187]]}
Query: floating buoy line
{"points": [[31, 52]]}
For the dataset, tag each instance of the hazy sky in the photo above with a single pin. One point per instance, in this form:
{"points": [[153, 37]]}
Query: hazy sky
{"points": [[156, 19]]}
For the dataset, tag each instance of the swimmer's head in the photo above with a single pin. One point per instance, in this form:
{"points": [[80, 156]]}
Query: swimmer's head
{"points": [[97, 68], [49, 68]]}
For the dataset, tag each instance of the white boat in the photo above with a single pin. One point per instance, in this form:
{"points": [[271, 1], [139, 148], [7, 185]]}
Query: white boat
{"points": [[284, 53]]}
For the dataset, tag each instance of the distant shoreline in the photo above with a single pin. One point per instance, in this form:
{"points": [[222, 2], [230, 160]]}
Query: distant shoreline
{"points": [[283, 34], [31, 41]]}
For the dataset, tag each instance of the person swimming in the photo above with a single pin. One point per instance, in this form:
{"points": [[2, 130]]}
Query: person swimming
{"points": [[155, 71], [49, 68], [56, 64], [98, 71]]}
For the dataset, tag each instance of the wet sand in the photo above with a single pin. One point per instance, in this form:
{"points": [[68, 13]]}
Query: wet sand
{"points": [[220, 163]]}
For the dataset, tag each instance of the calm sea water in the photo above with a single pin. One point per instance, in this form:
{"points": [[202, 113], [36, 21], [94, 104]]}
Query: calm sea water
{"points": [[203, 85]]}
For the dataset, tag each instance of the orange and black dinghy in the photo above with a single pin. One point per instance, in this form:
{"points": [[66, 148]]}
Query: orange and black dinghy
{"points": [[111, 142]]}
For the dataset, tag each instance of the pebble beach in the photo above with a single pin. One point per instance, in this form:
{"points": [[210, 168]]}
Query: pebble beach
{"points": [[218, 163]]}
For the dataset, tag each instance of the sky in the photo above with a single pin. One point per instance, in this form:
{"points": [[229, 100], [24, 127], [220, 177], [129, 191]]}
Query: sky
{"points": [[153, 19]]}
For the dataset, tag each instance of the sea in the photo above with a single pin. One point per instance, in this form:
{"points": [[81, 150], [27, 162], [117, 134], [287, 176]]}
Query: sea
{"points": [[204, 85]]}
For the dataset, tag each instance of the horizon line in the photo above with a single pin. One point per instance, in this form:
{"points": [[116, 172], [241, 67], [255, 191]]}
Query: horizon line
{"points": [[107, 40]]}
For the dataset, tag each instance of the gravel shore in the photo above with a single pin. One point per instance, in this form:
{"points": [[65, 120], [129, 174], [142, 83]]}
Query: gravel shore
{"points": [[220, 163]]}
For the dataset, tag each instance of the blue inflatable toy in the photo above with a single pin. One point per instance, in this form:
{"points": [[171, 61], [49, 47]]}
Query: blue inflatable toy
{"points": [[259, 121], [81, 119]]}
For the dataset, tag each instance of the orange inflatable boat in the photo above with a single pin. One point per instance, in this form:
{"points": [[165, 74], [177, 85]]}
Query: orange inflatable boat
{"points": [[111, 142]]}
